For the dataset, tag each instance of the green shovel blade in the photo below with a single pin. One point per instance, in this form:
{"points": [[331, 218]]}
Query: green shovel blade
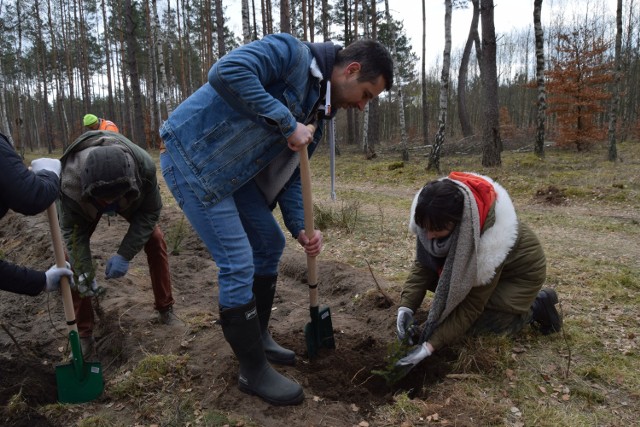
{"points": [[78, 381]]}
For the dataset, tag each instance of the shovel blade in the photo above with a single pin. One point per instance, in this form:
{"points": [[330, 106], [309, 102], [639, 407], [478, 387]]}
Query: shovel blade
{"points": [[74, 388], [78, 381], [319, 332]]}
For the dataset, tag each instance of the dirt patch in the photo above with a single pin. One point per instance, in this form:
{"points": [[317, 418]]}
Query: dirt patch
{"points": [[340, 388], [552, 195]]}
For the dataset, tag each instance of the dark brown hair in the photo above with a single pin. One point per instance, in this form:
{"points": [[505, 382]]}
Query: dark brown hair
{"points": [[440, 204]]}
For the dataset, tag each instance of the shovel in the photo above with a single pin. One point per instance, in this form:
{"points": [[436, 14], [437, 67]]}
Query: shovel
{"points": [[319, 332], [77, 381]]}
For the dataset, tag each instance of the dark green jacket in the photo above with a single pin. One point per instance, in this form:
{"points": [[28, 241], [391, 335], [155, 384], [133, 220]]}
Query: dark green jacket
{"points": [[79, 218], [511, 289]]}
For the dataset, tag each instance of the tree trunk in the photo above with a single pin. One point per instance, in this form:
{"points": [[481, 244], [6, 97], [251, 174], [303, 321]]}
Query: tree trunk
{"points": [[423, 82], [615, 95], [491, 142], [222, 47], [434, 157], [463, 113], [246, 25], [137, 125], [403, 130], [107, 52], [163, 85], [285, 17], [542, 93]]}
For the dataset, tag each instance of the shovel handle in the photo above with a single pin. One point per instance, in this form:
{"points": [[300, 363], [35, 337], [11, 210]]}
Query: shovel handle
{"points": [[307, 203], [58, 250]]}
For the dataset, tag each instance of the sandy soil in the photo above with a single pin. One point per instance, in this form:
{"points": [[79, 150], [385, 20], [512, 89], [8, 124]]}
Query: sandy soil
{"points": [[340, 389]]}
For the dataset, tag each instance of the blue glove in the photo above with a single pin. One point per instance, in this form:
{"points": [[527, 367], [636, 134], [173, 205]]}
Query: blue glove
{"points": [[404, 324], [117, 266], [45, 163], [54, 274]]}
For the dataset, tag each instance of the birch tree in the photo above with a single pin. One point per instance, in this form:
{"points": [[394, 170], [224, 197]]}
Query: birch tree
{"points": [[434, 156], [542, 93]]}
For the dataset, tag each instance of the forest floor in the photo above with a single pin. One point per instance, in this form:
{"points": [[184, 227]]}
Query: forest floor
{"points": [[585, 210]]}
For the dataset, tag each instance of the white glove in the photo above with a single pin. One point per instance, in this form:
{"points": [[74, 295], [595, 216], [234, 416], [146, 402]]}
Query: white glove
{"points": [[46, 164], [88, 288], [415, 356], [404, 324], [54, 274]]}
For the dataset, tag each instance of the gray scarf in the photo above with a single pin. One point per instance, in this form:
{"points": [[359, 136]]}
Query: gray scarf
{"points": [[460, 270]]}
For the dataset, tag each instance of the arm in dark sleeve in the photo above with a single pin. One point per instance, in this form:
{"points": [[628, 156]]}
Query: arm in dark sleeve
{"points": [[142, 220], [464, 315], [21, 280], [21, 190], [420, 280]]}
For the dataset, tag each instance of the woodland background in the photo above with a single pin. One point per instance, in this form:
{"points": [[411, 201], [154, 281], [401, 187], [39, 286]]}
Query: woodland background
{"points": [[573, 81]]}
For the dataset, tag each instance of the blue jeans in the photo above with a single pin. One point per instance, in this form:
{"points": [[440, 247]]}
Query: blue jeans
{"points": [[240, 232]]}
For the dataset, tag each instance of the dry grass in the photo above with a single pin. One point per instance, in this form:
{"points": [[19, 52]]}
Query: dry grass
{"points": [[586, 212]]}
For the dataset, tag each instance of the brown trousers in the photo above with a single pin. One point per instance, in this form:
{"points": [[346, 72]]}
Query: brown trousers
{"points": [[158, 260]]}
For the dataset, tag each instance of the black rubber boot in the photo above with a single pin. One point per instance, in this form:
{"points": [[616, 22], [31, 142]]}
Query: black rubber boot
{"points": [[264, 289], [545, 316], [242, 331]]}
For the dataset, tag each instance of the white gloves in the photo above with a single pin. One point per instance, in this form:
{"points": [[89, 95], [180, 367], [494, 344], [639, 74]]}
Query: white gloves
{"points": [[47, 164], [88, 288], [54, 274], [415, 356], [404, 324]]}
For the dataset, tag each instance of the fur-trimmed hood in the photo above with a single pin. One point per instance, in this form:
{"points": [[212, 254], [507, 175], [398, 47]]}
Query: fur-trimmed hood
{"points": [[496, 240]]}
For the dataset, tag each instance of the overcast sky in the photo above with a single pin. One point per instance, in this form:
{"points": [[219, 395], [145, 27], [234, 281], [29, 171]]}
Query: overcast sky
{"points": [[508, 15]]}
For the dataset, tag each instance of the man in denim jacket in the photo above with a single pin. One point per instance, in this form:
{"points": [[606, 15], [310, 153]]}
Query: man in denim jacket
{"points": [[232, 156]]}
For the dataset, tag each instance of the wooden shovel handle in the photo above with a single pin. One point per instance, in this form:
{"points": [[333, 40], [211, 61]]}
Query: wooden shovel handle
{"points": [[58, 250], [307, 203]]}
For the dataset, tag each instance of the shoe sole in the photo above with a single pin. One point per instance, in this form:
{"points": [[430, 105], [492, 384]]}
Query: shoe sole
{"points": [[296, 400]]}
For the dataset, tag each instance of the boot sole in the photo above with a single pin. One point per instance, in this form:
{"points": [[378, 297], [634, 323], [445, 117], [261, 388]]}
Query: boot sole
{"points": [[296, 400]]}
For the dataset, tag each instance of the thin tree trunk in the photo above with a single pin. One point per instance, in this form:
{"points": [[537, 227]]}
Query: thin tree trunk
{"points": [[542, 93], [285, 17], [615, 95], [246, 24], [491, 142], [163, 86], [107, 52], [18, 82], [305, 35], [137, 126], [222, 47], [403, 131], [6, 130], [463, 112], [42, 65], [423, 80], [434, 157]]}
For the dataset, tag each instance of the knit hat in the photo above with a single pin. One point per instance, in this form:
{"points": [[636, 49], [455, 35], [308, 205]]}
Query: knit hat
{"points": [[108, 173], [89, 119]]}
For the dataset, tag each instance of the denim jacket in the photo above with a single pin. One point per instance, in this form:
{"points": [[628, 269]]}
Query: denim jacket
{"points": [[236, 124]]}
